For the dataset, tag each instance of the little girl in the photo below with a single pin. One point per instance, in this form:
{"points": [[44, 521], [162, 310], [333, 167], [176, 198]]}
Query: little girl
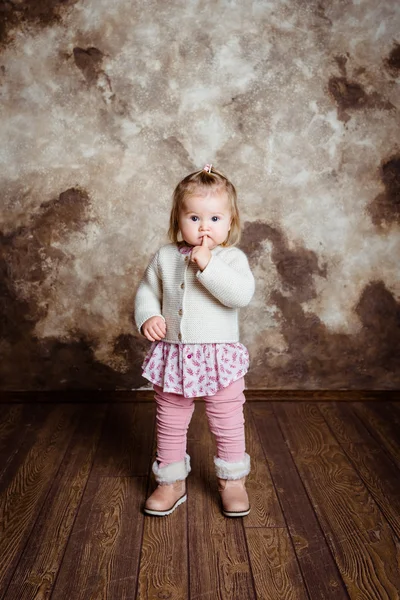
{"points": [[187, 305]]}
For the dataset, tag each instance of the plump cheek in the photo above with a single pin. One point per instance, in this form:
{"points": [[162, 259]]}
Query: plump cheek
{"points": [[191, 228], [186, 226], [190, 231]]}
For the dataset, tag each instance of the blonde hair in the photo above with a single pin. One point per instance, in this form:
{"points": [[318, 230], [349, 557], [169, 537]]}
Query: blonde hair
{"points": [[204, 181]]}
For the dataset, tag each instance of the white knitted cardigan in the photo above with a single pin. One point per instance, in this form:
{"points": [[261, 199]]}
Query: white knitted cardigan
{"points": [[197, 306]]}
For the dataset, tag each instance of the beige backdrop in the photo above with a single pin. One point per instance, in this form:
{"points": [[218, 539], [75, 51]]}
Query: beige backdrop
{"points": [[106, 105]]}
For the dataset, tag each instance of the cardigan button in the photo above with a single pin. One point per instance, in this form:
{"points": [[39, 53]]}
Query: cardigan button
{"points": [[180, 336], [182, 285], [186, 258], [180, 311]]}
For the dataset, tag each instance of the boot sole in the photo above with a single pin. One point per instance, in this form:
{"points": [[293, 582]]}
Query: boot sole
{"points": [[238, 513], [163, 513]]}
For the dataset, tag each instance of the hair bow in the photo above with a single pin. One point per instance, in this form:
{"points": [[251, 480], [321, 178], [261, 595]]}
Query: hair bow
{"points": [[207, 168]]}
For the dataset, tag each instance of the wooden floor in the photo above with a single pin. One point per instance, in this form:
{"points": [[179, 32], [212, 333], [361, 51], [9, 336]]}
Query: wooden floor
{"points": [[324, 490]]}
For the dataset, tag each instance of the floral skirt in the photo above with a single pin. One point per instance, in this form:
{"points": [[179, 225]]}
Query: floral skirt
{"points": [[195, 369]]}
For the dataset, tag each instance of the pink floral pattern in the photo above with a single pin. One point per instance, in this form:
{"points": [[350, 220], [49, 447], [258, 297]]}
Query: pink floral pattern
{"points": [[195, 369], [185, 249]]}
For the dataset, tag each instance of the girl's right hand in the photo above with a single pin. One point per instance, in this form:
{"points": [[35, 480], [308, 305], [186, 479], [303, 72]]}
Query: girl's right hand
{"points": [[154, 328]]}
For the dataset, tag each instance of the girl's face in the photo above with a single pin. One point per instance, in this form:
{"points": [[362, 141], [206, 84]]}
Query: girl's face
{"points": [[205, 215]]}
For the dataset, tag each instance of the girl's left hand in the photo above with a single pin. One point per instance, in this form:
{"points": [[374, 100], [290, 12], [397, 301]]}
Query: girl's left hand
{"points": [[201, 254]]}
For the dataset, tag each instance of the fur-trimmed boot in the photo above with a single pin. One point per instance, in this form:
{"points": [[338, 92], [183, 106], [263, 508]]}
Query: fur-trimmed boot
{"points": [[171, 489], [231, 486]]}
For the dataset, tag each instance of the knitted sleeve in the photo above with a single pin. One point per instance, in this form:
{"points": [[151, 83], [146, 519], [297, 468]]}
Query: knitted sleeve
{"points": [[229, 278], [149, 294]]}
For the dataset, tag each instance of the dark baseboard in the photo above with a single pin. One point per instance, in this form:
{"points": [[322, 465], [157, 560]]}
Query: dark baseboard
{"points": [[252, 395]]}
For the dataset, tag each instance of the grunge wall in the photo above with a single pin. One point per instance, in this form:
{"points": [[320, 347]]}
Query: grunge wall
{"points": [[106, 105]]}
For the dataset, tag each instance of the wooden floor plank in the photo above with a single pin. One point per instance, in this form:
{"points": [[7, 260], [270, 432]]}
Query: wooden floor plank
{"points": [[13, 429], [22, 499], [364, 546], [265, 507], [18, 430], [394, 407], [102, 555], [274, 565], [307, 537], [384, 424], [127, 440], [40, 561], [375, 468], [13, 419], [218, 558]]}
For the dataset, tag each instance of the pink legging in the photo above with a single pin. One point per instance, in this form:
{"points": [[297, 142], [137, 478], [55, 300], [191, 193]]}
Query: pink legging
{"points": [[225, 417]]}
